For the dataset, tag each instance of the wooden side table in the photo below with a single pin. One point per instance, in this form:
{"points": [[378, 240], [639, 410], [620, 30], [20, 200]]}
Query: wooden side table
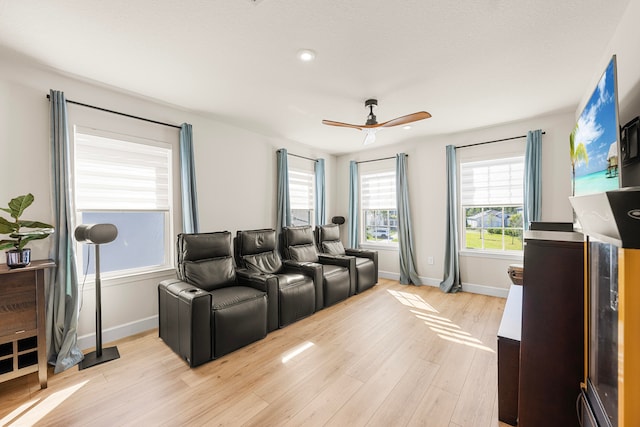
{"points": [[23, 347]]}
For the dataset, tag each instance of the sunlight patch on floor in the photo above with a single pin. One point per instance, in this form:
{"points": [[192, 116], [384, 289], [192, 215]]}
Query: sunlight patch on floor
{"points": [[412, 300], [36, 413], [435, 319], [19, 410], [297, 351], [467, 343], [443, 327]]}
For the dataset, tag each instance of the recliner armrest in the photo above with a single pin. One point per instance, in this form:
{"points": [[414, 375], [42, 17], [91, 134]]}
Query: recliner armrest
{"points": [[363, 253], [348, 261], [259, 281], [185, 320], [341, 260], [266, 283], [311, 269]]}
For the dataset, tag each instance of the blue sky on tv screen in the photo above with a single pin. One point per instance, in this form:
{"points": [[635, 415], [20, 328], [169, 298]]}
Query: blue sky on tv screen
{"points": [[597, 126]]}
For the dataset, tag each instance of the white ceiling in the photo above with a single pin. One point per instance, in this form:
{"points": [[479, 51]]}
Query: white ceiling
{"points": [[470, 64]]}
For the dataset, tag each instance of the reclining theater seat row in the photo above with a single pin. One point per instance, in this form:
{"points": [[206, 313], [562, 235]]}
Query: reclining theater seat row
{"points": [[214, 308]]}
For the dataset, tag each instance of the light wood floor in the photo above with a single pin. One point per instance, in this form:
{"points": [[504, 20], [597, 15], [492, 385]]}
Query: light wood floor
{"points": [[393, 356]]}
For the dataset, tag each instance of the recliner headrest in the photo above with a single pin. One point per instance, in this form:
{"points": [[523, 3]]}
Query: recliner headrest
{"points": [[198, 246], [256, 241], [301, 235], [329, 232]]}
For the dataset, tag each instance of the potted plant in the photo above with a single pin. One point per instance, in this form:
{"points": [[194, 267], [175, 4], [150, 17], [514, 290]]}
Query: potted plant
{"points": [[20, 256]]}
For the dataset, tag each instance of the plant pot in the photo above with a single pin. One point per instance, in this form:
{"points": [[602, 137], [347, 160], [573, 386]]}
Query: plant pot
{"points": [[18, 258]]}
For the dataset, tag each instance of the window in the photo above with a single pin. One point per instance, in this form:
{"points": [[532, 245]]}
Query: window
{"points": [[125, 181], [301, 197], [379, 209], [491, 196]]}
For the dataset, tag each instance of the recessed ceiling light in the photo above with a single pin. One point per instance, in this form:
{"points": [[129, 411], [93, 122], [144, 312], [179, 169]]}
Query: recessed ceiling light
{"points": [[306, 55], [407, 127]]}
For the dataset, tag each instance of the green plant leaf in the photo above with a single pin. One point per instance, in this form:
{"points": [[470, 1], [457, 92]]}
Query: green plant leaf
{"points": [[6, 244], [19, 204], [7, 227], [33, 224], [22, 243]]}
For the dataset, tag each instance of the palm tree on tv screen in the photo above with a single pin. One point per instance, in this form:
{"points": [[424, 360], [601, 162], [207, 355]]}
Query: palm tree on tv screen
{"points": [[578, 155]]}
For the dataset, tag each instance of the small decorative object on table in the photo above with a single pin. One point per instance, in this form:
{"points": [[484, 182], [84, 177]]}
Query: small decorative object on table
{"points": [[20, 256]]}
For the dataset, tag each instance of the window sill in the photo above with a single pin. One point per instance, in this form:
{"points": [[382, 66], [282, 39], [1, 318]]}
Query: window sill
{"points": [[516, 256], [379, 246], [125, 278]]}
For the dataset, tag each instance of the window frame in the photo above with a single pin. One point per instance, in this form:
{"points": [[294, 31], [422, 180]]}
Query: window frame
{"points": [[362, 212], [310, 179], [462, 207], [169, 217]]}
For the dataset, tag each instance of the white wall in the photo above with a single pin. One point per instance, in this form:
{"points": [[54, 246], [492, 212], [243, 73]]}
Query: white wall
{"points": [[235, 173]]}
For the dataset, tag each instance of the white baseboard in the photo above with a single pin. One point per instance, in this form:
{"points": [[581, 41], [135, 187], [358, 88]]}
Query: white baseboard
{"points": [[389, 275], [118, 332], [466, 287], [485, 290]]}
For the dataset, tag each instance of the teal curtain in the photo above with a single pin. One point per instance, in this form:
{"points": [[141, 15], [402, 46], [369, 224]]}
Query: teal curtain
{"points": [[320, 208], [532, 178], [283, 204], [188, 181], [408, 273], [353, 205], [451, 281], [62, 290]]}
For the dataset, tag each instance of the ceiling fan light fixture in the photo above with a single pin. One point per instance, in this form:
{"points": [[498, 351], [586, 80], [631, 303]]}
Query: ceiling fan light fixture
{"points": [[306, 55], [372, 125], [370, 136]]}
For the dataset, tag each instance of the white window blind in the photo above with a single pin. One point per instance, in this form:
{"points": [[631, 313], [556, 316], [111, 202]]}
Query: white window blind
{"points": [[492, 182], [121, 175], [301, 189], [379, 191]]}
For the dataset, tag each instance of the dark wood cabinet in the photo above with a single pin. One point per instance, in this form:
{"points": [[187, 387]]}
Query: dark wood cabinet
{"points": [[23, 348], [552, 340]]}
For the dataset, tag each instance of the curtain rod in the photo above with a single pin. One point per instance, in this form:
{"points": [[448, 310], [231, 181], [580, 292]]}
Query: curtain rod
{"points": [[121, 114], [495, 140], [301, 157], [377, 160]]}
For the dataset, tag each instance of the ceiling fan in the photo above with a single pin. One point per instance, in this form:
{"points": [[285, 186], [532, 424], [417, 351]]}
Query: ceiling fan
{"points": [[372, 126]]}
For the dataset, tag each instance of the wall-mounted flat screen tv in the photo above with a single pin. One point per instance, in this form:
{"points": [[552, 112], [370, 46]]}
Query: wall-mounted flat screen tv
{"points": [[594, 141]]}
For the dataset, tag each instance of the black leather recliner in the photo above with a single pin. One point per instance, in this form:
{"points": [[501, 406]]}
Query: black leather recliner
{"points": [[338, 272], [328, 239], [208, 311], [294, 290]]}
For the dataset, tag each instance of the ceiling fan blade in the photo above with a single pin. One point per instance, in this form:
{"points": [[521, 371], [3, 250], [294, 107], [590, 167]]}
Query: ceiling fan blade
{"points": [[409, 118], [340, 124]]}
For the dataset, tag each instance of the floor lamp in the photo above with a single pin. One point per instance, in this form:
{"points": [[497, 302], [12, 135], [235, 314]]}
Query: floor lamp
{"points": [[97, 234]]}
